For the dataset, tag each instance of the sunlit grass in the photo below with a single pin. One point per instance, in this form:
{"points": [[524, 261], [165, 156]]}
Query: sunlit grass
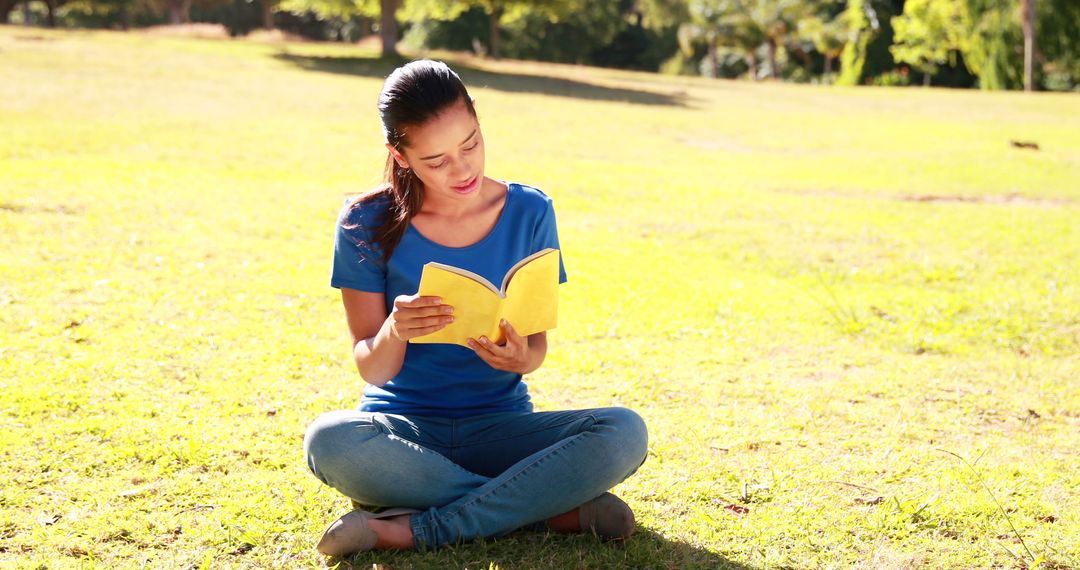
{"points": [[811, 294]]}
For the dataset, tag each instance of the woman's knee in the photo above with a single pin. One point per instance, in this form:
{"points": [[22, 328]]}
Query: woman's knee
{"points": [[630, 432], [332, 434]]}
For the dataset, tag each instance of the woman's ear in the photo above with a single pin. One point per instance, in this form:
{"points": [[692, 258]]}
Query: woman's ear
{"points": [[398, 157]]}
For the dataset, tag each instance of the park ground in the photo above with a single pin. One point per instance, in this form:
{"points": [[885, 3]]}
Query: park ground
{"points": [[850, 317]]}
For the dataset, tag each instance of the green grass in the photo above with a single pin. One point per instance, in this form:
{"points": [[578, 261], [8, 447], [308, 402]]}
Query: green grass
{"points": [[813, 295]]}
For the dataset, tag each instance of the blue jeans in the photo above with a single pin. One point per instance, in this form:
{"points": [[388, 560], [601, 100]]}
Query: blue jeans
{"points": [[481, 476]]}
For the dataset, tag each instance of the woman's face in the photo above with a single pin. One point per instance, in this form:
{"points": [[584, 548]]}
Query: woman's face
{"points": [[447, 154]]}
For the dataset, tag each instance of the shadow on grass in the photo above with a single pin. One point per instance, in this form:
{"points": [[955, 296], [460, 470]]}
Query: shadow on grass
{"points": [[646, 549], [377, 67]]}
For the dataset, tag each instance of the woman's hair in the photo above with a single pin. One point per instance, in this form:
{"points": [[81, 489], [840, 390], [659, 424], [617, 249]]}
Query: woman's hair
{"points": [[412, 95]]}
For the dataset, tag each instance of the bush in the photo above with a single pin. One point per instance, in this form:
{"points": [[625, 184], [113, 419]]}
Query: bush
{"points": [[899, 77]]}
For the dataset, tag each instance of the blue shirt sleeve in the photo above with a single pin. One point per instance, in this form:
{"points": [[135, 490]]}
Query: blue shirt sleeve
{"points": [[547, 235], [357, 264]]}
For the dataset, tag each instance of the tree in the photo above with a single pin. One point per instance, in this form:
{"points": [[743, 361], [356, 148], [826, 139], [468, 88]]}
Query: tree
{"points": [[50, 11], [388, 27], [6, 8], [1057, 52], [268, 8], [929, 33], [828, 37], [705, 21], [861, 22], [343, 10], [729, 23], [499, 12], [1027, 18], [776, 19], [992, 49], [745, 25], [1005, 52], [663, 13], [179, 11]]}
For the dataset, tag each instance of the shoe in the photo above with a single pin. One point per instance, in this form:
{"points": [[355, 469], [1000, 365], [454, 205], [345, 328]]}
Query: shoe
{"points": [[608, 516], [351, 532]]}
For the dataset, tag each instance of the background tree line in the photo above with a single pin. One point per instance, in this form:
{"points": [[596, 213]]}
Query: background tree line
{"points": [[991, 44]]}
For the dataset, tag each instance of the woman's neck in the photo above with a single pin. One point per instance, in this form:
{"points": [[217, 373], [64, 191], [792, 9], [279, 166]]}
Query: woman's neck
{"points": [[462, 224], [489, 195]]}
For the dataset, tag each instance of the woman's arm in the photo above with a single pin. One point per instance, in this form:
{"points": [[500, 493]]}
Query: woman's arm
{"points": [[537, 351], [379, 339]]}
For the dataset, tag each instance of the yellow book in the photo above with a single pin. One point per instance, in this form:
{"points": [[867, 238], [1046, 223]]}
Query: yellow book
{"points": [[528, 299]]}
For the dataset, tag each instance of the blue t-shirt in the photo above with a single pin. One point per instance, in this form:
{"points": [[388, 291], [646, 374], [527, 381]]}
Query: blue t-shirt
{"points": [[443, 379]]}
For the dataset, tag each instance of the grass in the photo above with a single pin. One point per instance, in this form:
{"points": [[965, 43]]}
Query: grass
{"points": [[817, 297]]}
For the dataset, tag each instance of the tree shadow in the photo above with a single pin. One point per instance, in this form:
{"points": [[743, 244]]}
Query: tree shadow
{"points": [[646, 549], [378, 67]]}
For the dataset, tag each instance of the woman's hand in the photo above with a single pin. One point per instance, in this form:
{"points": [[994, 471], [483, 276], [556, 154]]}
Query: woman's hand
{"points": [[414, 316], [511, 356]]}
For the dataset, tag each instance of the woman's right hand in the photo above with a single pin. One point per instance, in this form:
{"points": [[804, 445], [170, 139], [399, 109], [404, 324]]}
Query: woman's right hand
{"points": [[414, 316]]}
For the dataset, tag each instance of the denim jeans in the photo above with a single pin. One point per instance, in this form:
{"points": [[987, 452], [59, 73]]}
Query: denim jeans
{"points": [[480, 476]]}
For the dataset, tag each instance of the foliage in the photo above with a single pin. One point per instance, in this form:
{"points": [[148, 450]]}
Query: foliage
{"points": [[747, 26], [861, 21], [930, 33], [953, 42], [333, 9], [599, 33], [663, 13], [995, 45], [1057, 27], [828, 37], [500, 13], [900, 77], [807, 294]]}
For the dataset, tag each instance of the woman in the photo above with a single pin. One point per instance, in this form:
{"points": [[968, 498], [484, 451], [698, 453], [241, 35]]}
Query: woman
{"points": [[445, 433]]}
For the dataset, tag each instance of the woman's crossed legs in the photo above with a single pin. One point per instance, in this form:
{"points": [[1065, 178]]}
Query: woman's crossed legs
{"points": [[476, 477]]}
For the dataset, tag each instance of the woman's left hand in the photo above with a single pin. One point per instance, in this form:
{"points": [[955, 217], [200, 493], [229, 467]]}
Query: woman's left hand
{"points": [[511, 356]]}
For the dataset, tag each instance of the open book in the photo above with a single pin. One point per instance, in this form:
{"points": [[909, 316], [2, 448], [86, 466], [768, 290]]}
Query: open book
{"points": [[528, 299]]}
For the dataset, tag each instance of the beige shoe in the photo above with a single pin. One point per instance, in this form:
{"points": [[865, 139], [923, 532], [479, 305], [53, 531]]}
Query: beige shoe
{"points": [[351, 532], [608, 516]]}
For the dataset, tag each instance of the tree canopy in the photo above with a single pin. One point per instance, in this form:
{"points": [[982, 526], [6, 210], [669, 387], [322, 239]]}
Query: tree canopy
{"points": [[988, 43]]}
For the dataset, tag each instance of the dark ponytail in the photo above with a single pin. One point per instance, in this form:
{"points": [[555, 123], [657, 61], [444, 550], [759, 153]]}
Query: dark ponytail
{"points": [[412, 95]]}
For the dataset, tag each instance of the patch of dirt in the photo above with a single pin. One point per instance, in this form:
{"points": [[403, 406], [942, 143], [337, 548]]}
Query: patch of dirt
{"points": [[1013, 199], [1009, 199], [20, 208], [205, 31]]}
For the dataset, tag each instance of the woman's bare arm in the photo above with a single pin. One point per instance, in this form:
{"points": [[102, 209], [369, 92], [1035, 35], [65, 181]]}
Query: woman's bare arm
{"points": [[379, 339]]}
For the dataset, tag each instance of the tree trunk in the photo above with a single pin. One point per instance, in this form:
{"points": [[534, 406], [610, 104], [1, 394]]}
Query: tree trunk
{"points": [[125, 16], [926, 78], [1027, 13], [752, 60], [828, 66], [27, 15], [388, 27], [50, 13], [493, 31], [179, 12], [267, 14], [807, 61], [772, 59], [714, 59]]}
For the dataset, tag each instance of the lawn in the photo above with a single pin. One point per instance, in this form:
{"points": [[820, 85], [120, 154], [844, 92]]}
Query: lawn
{"points": [[850, 316]]}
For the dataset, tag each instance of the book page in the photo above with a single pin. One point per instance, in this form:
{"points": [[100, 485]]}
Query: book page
{"points": [[476, 307], [532, 296], [513, 270]]}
